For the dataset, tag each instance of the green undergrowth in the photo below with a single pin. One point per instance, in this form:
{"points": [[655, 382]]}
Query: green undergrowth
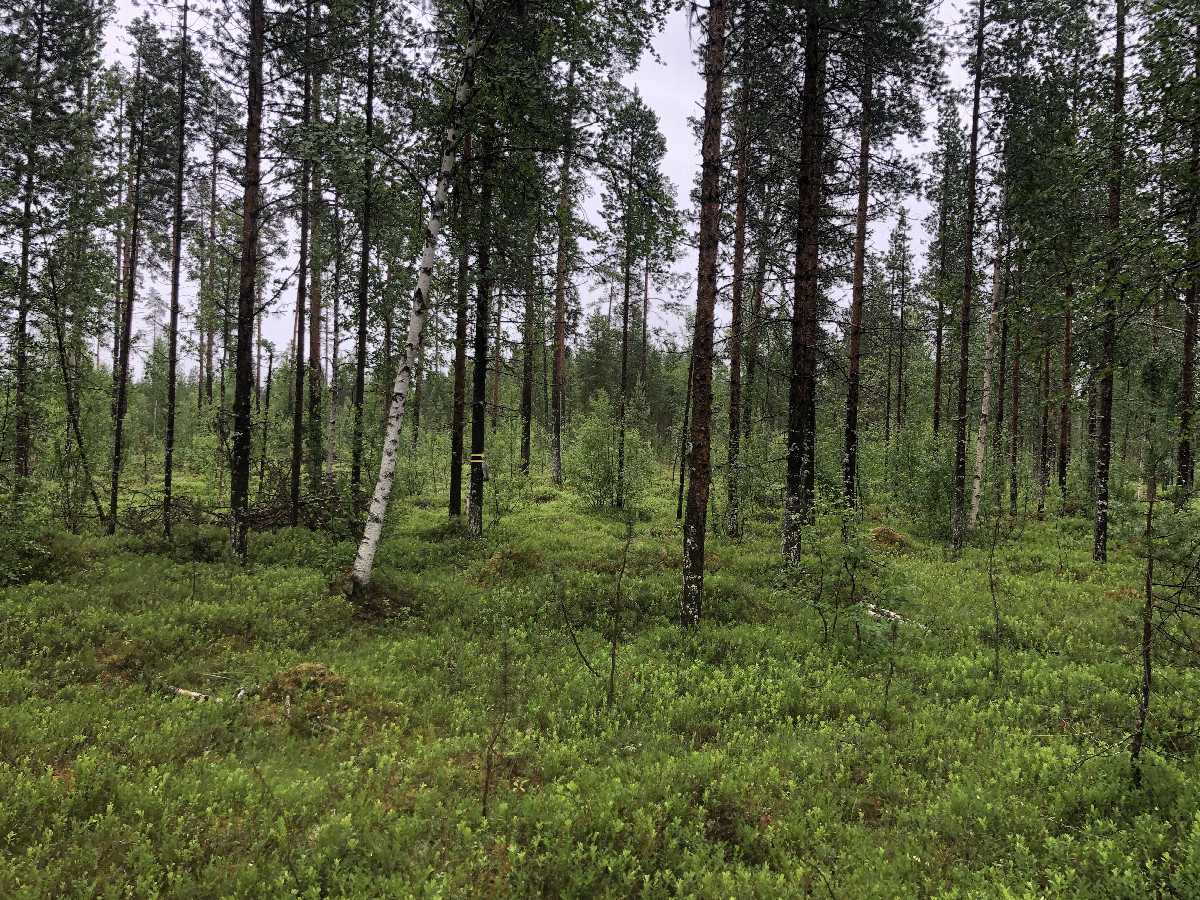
{"points": [[794, 746]]}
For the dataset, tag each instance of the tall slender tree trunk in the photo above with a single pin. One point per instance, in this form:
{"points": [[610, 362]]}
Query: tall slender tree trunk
{"points": [[23, 439], [176, 257], [798, 498], [1014, 426], [645, 322], [626, 285], [316, 376], [482, 328], [939, 323], [696, 517], [364, 270], [211, 266], [857, 290], [497, 360], [1064, 408], [360, 575], [239, 478], [958, 533], [301, 282], [984, 410], [1185, 465], [733, 516], [527, 326], [558, 390], [684, 434], [121, 388], [462, 202], [1108, 342], [1043, 460]]}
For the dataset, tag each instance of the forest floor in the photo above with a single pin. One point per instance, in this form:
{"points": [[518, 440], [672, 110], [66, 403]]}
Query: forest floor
{"points": [[778, 751]]}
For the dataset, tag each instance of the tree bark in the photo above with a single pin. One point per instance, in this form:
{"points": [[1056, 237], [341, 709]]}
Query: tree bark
{"points": [[558, 390], [1064, 408], [301, 284], [360, 576], [733, 516], [960, 426], [850, 456], [480, 358], [695, 520], [239, 478], [121, 388], [176, 257], [984, 410], [364, 269], [1108, 343], [798, 498], [462, 200], [316, 377]]}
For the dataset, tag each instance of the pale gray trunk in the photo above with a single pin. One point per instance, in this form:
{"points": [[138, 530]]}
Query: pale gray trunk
{"points": [[360, 576]]}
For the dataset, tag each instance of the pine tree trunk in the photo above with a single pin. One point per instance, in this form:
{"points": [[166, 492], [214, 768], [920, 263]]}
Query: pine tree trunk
{"points": [[316, 376], [958, 533], [1108, 343], [121, 387], [364, 270], [176, 257], [850, 456], [984, 410], [798, 497], [696, 517], [1043, 467], [462, 195], [1185, 466], [1014, 426], [558, 390], [301, 286], [527, 326], [733, 515], [939, 322], [23, 440], [480, 358], [683, 442], [1064, 409], [360, 576], [626, 283], [239, 478]]}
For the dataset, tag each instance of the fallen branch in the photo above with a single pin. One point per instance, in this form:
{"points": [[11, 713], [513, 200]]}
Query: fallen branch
{"points": [[878, 612], [196, 695], [205, 698]]}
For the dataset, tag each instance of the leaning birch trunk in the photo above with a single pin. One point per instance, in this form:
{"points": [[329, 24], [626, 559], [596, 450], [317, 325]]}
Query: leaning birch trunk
{"points": [[360, 575], [981, 437]]}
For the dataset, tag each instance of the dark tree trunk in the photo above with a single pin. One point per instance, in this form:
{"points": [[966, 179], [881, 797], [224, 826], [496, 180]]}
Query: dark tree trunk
{"points": [[316, 376], [176, 257], [684, 434], [958, 531], [482, 330], [239, 478], [121, 388], [558, 390], [462, 195], [301, 286], [527, 326], [1064, 407], [939, 323], [1043, 468], [627, 280], [850, 457], [1185, 466], [1014, 427], [364, 269], [1108, 343], [798, 499], [696, 517], [733, 517]]}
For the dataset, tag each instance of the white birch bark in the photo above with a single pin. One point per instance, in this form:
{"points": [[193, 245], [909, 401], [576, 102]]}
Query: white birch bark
{"points": [[981, 437], [360, 575]]}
